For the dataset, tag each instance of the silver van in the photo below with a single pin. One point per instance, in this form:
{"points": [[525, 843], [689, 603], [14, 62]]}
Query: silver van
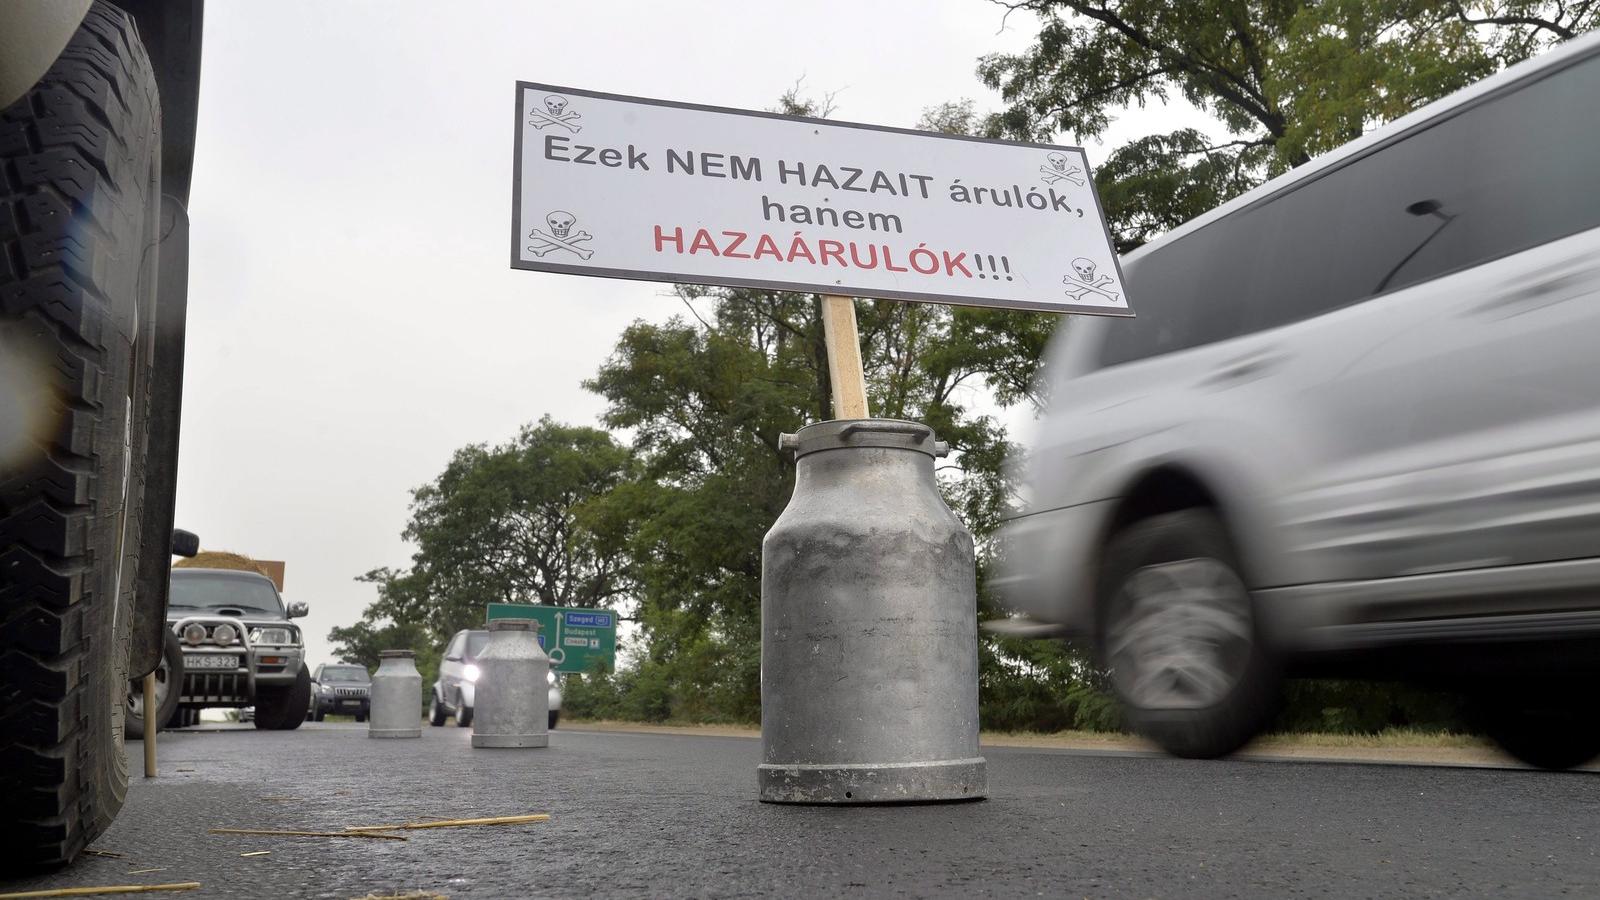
{"points": [[1354, 429]]}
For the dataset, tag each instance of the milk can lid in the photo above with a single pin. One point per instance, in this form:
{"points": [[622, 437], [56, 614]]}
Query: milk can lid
{"points": [[514, 625], [396, 654], [840, 434]]}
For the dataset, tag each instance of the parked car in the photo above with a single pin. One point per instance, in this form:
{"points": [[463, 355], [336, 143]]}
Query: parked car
{"points": [[340, 688], [1353, 430], [229, 644], [452, 693]]}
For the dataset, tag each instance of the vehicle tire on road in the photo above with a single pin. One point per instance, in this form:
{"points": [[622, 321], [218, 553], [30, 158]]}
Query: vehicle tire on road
{"points": [[463, 716], [436, 714], [1179, 636], [79, 214], [361, 717], [1547, 728], [555, 715], [280, 709], [169, 687]]}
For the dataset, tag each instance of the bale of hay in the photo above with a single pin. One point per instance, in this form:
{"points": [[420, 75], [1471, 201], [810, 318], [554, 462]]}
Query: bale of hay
{"points": [[221, 559]]}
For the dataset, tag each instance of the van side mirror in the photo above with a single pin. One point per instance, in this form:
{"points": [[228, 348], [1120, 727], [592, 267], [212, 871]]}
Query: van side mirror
{"points": [[185, 543], [298, 609]]}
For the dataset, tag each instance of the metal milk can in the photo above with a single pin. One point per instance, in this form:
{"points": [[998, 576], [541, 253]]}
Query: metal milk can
{"points": [[869, 632], [396, 697], [513, 699]]}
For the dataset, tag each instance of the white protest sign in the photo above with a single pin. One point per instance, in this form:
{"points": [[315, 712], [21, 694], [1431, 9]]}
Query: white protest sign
{"points": [[625, 187]]}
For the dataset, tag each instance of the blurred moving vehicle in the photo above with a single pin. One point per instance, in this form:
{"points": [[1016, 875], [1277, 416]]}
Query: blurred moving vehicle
{"points": [[340, 688], [1354, 429], [452, 693], [97, 109], [229, 644]]}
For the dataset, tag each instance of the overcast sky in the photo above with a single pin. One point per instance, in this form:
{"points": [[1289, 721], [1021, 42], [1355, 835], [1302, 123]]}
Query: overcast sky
{"points": [[352, 318]]}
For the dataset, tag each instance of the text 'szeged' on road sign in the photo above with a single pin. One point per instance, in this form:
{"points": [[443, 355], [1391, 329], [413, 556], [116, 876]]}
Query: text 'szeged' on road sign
{"points": [[625, 187], [576, 640]]}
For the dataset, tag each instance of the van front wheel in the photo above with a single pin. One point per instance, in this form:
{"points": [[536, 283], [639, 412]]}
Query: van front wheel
{"points": [[1180, 638]]}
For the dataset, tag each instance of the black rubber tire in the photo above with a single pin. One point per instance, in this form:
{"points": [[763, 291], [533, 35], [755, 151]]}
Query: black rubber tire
{"points": [[280, 709], [1544, 728], [361, 717], [463, 716], [169, 670], [1230, 723], [79, 215], [320, 715], [555, 716], [436, 713]]}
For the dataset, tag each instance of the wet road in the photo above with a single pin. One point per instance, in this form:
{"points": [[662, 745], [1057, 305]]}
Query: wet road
{"points": [[658, 815]]}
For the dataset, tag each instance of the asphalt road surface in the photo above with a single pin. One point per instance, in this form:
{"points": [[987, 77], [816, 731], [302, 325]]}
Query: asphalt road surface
{"points": [[666, 815]]}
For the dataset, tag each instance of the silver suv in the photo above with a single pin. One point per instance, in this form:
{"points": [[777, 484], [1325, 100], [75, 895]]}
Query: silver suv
{"points": [[229, 644], [1354, 430]]}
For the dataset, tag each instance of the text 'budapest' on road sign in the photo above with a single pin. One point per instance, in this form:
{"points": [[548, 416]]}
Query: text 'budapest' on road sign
{"points": [[626, 187]]}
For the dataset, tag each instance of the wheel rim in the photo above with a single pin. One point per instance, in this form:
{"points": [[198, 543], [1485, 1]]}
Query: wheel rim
{"points": [[134, 702], [1180, 636]]}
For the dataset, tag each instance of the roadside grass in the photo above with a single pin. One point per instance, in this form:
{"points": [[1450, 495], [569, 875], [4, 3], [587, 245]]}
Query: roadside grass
{"points": [[1388, 739]]}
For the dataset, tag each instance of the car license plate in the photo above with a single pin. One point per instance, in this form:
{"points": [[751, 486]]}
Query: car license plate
{"points": [[213, 661]]}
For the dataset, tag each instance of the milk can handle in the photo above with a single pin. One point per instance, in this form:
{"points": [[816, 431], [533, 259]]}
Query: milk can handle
{"points": [[941, 449], [789, 442]]}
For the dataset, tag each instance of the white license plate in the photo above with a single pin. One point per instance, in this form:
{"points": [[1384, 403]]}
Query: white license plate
{"points": [[212, 661]]}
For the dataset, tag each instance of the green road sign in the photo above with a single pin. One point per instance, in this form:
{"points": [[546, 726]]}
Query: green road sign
{"points": [[574, 638]]}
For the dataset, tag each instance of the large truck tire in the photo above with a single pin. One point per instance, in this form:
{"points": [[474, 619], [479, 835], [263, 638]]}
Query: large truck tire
{"points": [[284, 708], [79, 199], [169, 687]]}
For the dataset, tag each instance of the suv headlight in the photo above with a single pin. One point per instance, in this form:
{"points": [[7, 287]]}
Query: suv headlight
{"points": [[224, 634], [194, 633], [279, 636], [471, 672], [550, 677]]}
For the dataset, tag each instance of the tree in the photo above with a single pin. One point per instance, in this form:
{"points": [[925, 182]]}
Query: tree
{"points": [[518, 523], [1285, 81]]}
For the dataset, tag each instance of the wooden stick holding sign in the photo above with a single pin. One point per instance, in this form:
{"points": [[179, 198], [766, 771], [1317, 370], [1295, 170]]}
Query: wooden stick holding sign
{"points": [[844, 357], [151, 726]]}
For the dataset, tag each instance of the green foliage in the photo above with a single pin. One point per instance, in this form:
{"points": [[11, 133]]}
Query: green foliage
{"points": [[519, 522], [1284, 80], [1367, 707]]}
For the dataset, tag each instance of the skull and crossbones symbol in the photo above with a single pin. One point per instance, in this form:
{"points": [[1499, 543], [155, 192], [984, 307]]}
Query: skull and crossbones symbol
{"points": [[555, 113], [1058, 170], [560, 236], [1084, 281]]}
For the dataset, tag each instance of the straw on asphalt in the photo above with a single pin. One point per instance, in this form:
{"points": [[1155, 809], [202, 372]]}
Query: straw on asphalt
{"points": [[452, 823], [107, 889], [329, 834]]}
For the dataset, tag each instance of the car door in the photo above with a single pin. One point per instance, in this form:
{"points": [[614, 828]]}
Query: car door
{"points": [[1476, 438], [450, 670]]}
